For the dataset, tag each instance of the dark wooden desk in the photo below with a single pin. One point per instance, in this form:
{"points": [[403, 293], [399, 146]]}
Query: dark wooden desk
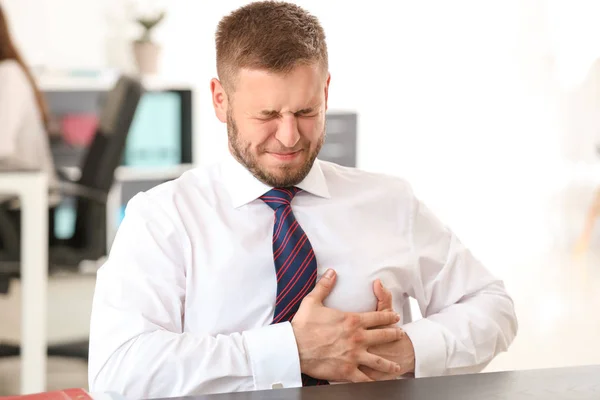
{"points": [[547, 384]]}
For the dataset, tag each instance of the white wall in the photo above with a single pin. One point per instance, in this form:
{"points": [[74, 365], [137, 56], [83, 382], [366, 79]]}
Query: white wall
{"points": [[457, 96]]}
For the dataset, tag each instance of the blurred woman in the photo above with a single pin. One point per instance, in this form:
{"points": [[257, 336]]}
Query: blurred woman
{"points": [[24, 141]]}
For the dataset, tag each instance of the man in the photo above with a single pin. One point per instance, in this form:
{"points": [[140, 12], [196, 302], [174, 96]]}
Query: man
{"points": [[274, 269]]}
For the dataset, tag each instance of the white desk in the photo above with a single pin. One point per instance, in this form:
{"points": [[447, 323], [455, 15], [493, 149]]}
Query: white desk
{"points": [[32, 188]]}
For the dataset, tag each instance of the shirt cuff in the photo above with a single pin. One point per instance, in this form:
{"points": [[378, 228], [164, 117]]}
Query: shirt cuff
{"points": [[429, 345], [273, 355]]}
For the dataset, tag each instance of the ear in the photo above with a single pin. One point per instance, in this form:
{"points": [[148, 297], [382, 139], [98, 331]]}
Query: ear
{"points": [[327, 89], [219, 99]]}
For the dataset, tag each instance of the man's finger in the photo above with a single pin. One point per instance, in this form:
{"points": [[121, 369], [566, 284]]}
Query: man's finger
{"points": [[384, 296], [378, 318], [358, 376], [376, 375], [323, 286], [376, 337], [379, 364]]}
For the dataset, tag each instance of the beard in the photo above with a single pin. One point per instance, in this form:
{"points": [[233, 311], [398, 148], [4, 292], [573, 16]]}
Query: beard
{"points": [[288, 175]]}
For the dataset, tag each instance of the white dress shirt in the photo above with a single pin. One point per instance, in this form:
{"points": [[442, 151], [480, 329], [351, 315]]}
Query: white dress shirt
{"points": [[185, 300]]}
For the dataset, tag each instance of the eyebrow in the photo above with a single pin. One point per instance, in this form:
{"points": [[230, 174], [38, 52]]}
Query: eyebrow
{"points": [[305, 110], [269, 113], [272, 113]]}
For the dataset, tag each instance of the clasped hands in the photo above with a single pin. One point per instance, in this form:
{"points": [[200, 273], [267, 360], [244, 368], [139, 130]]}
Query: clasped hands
{"points": [[351, 347]]}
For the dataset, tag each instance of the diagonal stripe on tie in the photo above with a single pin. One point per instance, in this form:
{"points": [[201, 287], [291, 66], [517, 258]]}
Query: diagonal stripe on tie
{"points": [[291, 257], [295, 302], [286, 212], [289, 261], [286, 239], [296, 277]]}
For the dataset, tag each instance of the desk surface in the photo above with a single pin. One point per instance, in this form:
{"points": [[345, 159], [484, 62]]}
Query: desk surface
{"points": [[561, 383]]}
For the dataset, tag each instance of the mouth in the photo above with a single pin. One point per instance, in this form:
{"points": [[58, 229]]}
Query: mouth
{"points": [[285, 156]]}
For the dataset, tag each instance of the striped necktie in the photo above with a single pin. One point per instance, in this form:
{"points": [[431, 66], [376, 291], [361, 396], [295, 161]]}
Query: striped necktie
{"points": [[295, 262]]}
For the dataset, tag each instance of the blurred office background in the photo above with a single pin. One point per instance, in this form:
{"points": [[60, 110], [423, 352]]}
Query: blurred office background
{"points": [[491, 109]]}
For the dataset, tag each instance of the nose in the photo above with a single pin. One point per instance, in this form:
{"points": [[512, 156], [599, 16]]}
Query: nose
{"points": [[287, 132]]}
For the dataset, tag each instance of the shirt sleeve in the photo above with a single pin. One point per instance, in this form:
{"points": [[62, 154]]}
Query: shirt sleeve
{"points": [[468, 317], [138, 345]]}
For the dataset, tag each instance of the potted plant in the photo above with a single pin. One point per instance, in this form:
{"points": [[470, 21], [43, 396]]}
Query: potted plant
{"points": [[146, 51]]}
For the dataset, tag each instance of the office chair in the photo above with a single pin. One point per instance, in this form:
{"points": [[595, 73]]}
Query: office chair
{"points": [[90, 191]]}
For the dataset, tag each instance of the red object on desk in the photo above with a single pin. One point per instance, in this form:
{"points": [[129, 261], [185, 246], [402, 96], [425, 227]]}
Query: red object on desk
{"points": [[67, 394]]}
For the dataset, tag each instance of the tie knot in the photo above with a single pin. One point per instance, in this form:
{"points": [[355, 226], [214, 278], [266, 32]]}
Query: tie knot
{"points": [[278, 197]]}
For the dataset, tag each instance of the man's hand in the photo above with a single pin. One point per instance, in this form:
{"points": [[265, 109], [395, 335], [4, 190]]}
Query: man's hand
{"points": [[401, 351], [332, 344]]}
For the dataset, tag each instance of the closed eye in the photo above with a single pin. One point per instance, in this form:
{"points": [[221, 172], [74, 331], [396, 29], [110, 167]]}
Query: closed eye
{"points": [[308, 112], [268, 115]]}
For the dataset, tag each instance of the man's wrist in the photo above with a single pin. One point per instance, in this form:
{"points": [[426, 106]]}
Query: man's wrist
{"points": [[407, 355], [429, 347], [272, 351], [296, 329]]}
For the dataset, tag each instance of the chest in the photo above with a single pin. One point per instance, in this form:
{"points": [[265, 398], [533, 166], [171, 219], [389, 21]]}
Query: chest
{"points": [[232, 279]]}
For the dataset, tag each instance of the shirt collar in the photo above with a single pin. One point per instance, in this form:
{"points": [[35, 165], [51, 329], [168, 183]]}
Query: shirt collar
{"points": [[244, 188]]}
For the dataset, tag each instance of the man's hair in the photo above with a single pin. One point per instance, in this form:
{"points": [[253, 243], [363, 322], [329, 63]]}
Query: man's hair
{"points": [[268, 35]]}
